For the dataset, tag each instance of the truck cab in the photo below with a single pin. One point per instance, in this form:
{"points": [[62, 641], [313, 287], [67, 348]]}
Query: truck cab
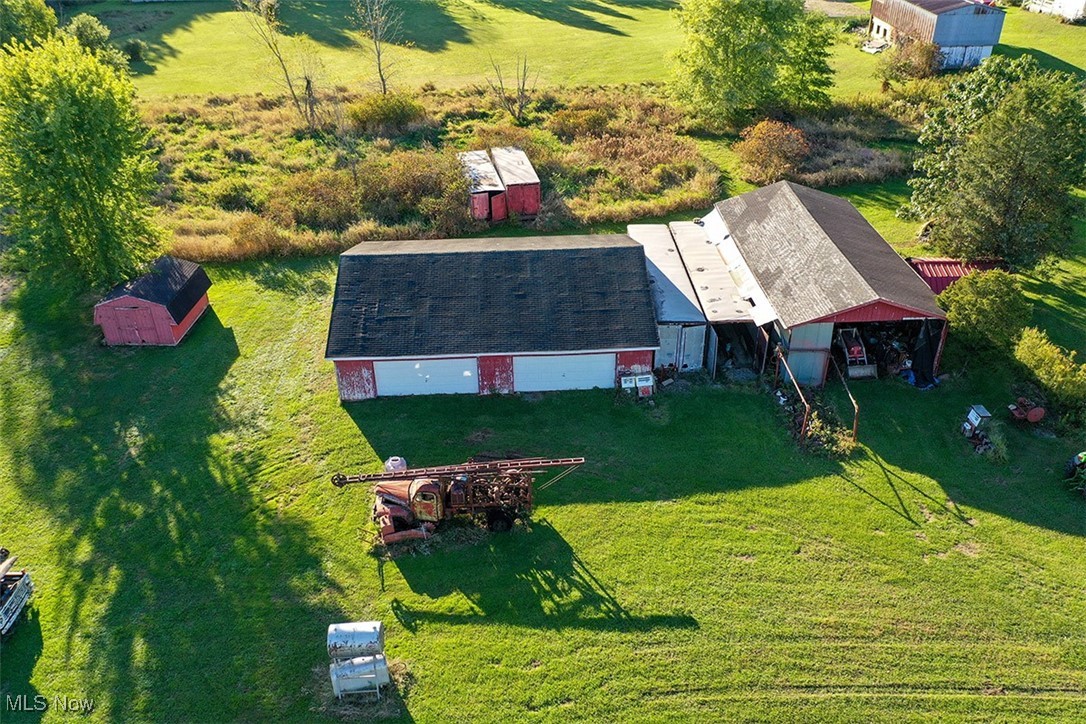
{"points": [[427, 500]]}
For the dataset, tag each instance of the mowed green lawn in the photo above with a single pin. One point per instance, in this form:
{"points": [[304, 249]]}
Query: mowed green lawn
{"points": [[205, 47], [189, 552]]}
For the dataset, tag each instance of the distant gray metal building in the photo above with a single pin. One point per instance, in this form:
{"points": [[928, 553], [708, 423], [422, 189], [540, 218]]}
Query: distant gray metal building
{"points": [[965, 31]]}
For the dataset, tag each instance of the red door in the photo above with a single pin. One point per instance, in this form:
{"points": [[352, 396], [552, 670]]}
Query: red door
{"points": [[136, 325]]}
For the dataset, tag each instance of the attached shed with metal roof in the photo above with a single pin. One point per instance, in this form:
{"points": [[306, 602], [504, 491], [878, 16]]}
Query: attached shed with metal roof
{"points": [[485, 187], [158, 308], [965, 31], [940, 273], [810, 264], [679, 319], [490, 315], [521, 181]]}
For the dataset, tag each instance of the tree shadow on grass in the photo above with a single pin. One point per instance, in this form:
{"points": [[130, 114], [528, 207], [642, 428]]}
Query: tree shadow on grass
{"points": [[1045, 60], [306, 277], [169, 569], [579, 13], [23, 646], [918, 434], [530, 577], [705, 441]]}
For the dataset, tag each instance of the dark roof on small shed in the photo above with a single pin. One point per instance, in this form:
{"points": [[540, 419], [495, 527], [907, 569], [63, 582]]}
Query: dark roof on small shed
{"points": [[177, 284], [491, 296], [814, 255]]}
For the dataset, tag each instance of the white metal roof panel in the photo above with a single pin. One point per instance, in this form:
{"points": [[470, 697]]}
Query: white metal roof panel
{"points": [[513, 166], [709, 273], [672, 293], [482, 176]]}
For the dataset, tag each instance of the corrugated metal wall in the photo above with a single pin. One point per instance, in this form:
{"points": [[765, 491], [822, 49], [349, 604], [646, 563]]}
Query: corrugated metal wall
{"points": [[905, 18]]}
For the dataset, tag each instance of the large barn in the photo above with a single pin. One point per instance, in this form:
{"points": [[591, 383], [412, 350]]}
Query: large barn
{"points": [[158, 308], [490, 315], [810, 266], [965, 31]]}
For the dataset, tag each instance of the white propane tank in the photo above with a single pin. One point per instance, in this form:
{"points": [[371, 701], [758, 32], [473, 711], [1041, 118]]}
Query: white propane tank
{"points": [[395, 464], [360, 638], [360, 675]]}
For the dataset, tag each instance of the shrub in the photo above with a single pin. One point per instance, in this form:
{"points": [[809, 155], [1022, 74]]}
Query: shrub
{"points": [[319, 200], [385, 113], [910, 61], [986, 310], [254, 236], [135, 49], [771, 151], [233, 194], [571, 124], [1056, 370]]}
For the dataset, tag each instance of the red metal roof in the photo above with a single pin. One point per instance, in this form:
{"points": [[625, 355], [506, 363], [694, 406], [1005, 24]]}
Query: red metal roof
{"points": [[940, 273]]}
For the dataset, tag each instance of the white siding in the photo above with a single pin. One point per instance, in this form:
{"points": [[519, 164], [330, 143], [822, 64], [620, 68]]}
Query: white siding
{"points": [[670, 340], [563, 372], [693, 348], [427, 377]]}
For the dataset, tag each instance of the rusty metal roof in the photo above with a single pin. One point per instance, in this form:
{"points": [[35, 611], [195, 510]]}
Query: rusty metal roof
{"points": [[672, 292], [940, 273], [481, 174], [513, 166], [814, 255], [449, 297]]}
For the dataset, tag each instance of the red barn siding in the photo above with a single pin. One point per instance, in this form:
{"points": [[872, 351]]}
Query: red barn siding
{"points": [[480, 206], [130, 321], [877, 311], [524, 199], [634, 362], [182, 328], [941, 273], [356, 379], [496, 374], [499, 207]]}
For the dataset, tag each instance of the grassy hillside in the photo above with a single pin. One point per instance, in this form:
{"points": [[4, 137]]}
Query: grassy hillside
{"points": [[205, 47]]}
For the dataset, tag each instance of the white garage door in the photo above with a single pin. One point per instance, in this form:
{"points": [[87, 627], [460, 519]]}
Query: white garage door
{"points": [[427, 377], [563, 372]]}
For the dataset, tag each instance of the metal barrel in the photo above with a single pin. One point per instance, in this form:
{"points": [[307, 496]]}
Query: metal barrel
{"points": [[359, 638], [362, 674]]}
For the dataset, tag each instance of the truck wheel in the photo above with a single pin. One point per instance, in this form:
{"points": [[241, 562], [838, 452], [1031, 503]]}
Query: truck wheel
{"points": [[498, 521]]}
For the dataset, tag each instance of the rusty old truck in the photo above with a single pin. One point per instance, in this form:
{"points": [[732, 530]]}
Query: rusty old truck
{"points": [[411, 502]]}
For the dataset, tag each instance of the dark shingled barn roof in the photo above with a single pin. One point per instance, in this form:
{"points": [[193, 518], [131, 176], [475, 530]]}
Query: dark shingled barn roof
{"points": [[814, 255], [491, 296], [177, 284]]}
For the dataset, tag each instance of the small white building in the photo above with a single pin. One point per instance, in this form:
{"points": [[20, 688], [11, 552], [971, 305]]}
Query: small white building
{"points": [[679, 318], [1070, 9], [965, 31]]}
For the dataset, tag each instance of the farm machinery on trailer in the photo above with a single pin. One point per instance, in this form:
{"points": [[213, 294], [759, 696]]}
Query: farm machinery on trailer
{"points": [[412, 501]]}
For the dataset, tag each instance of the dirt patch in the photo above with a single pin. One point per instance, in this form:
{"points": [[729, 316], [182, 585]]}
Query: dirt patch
{"points": [[968, 548], [746, 557], [364, 707], [928, 515]]}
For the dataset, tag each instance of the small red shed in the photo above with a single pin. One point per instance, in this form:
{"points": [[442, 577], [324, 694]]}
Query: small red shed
{"points": [[941, 273], [520, 179], [158, 308], [488, 199]]}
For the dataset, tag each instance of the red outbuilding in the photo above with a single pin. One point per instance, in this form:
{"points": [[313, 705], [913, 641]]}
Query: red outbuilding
{"points": [[521, 181], [158, 308], [941, 273], [488, 199]]}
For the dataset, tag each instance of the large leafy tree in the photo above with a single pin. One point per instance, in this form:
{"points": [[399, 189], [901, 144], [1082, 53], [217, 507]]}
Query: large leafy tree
{"points": [[74, 169], [998, 163], [745, 57], [25, 21]]}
